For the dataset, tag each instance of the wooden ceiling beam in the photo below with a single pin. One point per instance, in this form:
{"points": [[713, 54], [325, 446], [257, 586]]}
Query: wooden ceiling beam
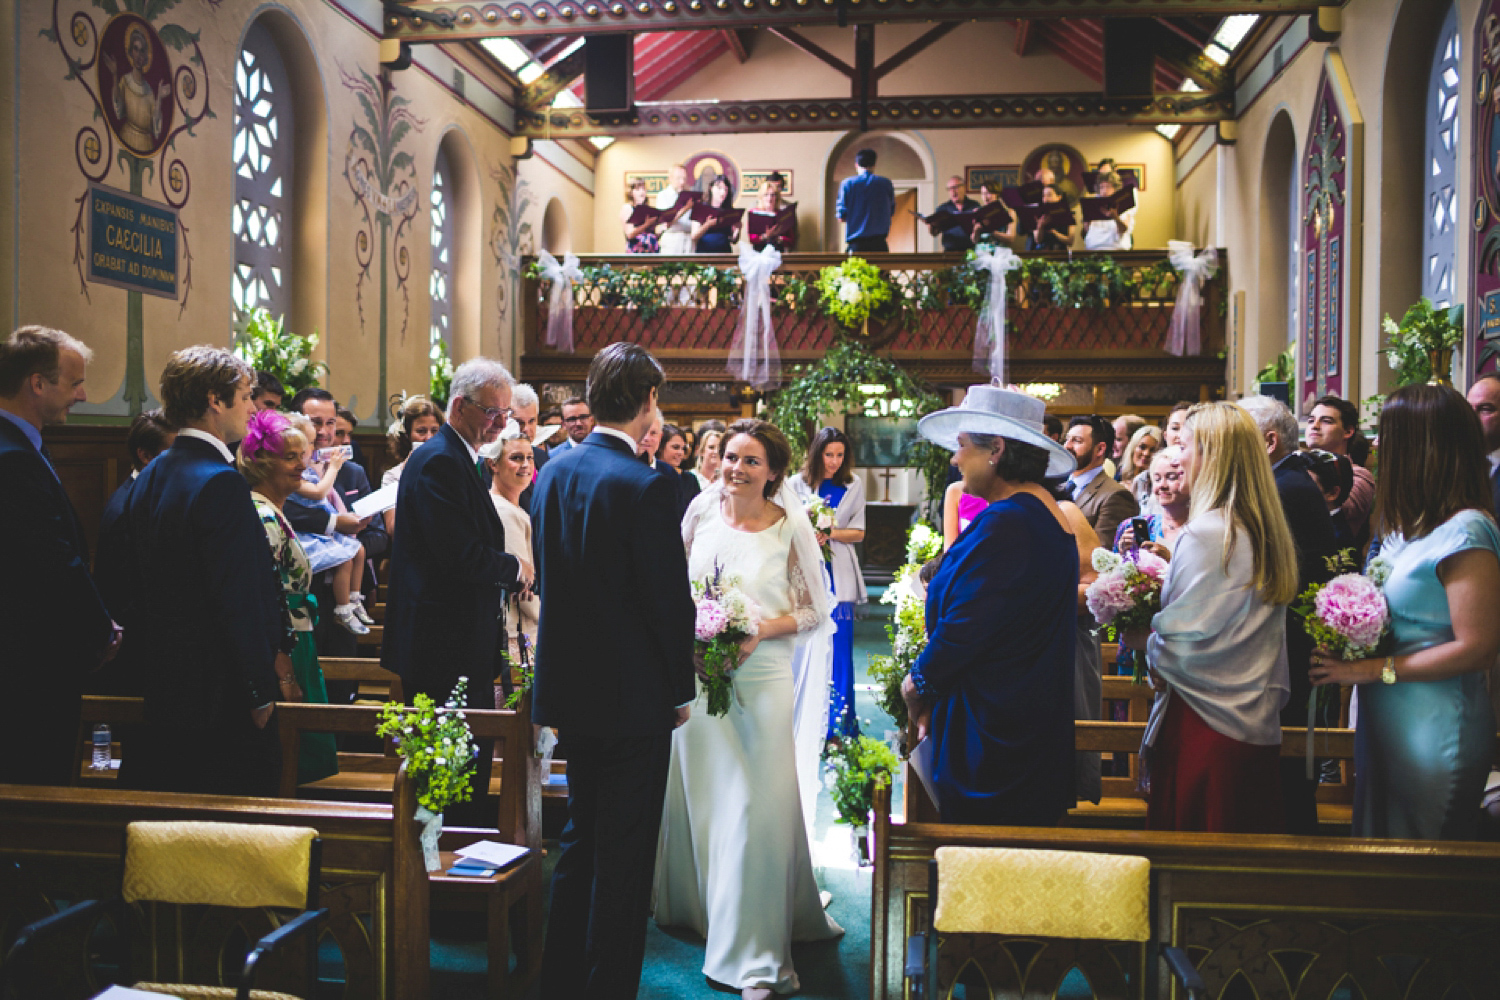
{"points": [[736, 42], [799, 41], [427, 21], [540, 93], [926, 39], [815, 115], [1023, 36]]}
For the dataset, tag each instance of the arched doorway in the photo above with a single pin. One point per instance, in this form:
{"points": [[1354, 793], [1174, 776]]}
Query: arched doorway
{"points": [[1277, 318], [908, 162], [556, 239]]}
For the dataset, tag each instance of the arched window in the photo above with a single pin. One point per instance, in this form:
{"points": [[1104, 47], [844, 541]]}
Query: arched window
{"points": [[1440, 179], [1294, 253], [441, 284], [263, 156]]}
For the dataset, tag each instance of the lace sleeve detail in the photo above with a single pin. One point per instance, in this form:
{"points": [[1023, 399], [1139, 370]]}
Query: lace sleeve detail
{"points": [[802, 599]]}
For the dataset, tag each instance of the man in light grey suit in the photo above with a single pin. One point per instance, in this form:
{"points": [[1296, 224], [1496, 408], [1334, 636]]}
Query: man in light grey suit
{"points": [[1103, 501]]}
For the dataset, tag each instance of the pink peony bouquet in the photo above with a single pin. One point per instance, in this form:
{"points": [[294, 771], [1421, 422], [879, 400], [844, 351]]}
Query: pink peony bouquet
{"points": [[1348, 615], [823, 518], [1127, 592], [725, 619]]}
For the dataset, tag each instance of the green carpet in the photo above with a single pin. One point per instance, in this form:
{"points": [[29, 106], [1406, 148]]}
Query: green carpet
{"points": [[829, 970]]}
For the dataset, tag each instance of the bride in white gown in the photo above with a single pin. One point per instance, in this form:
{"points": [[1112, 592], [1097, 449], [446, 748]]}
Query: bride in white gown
{"points": [[733, 862]]}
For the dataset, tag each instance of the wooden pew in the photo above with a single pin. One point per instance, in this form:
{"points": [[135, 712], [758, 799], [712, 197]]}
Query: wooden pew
{"points": [[376, 685], [512, 899], [1238, 903], [64, 843], [373, 639]]}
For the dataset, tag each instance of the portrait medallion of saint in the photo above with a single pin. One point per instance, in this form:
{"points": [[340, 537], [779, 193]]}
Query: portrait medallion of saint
{"points": [[135, 84]]}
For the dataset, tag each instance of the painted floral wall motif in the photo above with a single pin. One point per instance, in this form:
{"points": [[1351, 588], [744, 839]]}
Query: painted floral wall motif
{"points": [[1325, 237], [1483, 348], [511, 238], [383, 177], [128, 232]]}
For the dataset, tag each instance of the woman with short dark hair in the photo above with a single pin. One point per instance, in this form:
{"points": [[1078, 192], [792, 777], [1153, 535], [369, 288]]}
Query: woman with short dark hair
{"points": [[1425, 735], [828, 472], [994, 686]]}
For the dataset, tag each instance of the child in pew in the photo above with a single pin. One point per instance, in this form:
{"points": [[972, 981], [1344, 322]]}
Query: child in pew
{"points": [[343, 554]]}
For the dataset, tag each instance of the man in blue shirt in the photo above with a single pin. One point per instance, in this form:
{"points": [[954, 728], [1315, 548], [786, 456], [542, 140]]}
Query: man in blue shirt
{"points": [[866, 203]]}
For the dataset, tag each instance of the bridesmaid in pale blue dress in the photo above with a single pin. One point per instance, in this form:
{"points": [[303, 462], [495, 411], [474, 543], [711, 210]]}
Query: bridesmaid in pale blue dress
{"points": [[1424, 739]]}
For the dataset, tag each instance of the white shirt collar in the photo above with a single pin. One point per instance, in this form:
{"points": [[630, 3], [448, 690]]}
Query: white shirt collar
{"points": [[1495, 459], [473, 452], [1081, 480], [223, 448], [635, 446]]}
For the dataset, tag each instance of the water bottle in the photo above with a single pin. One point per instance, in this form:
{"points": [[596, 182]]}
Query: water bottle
{"points": [[101, 760]]}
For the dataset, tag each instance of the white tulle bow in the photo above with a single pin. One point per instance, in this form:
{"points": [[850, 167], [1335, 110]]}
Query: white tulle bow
{"points": [[989, 337], [753, 356], [1185, 336], [560, 301]]}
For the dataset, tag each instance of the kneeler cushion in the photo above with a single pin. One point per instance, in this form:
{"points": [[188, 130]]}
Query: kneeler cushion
{"points": [[1035, 893], [218, 864]]}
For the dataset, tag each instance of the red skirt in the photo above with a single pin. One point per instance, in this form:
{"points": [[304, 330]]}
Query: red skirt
{"points": [[1201, 780]]}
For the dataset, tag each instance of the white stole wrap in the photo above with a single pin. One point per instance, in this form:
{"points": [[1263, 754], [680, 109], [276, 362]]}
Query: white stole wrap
{"points": [[753, 356], [989, 337], [560, 301], [1185, 337]]}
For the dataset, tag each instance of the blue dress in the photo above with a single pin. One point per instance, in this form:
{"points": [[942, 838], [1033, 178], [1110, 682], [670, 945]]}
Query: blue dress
{"points": [[1422, 749], [998, 668], [842, 720]]}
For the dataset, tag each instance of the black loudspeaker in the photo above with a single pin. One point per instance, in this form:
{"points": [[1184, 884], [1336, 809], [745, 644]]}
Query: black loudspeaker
{"points": [[1129, 56], [609, 72]]}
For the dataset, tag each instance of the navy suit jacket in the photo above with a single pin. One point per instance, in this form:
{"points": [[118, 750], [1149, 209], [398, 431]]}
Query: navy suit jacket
{"points": [[211, 620], [114, 575], [53, 623], [1312, 530], [448, 568], [615, 639]]}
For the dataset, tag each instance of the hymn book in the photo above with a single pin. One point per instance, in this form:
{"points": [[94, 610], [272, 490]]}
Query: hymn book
{"points": [[770, 225], [718, 218], [1055, 215], [1121, 201]]}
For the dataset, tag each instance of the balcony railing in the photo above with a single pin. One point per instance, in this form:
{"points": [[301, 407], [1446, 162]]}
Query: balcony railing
{"points": [[1108, 313]]}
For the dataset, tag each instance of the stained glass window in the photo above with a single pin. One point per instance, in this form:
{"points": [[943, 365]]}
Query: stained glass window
{"points": [[1440, 178], [263, 153], [441, 283]]}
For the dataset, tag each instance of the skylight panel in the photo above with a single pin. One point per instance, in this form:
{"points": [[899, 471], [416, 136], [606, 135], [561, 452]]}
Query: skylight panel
{"points": [[510, 53], [1233, 29]]}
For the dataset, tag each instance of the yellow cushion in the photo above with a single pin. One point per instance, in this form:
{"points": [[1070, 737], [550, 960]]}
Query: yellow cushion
{"points": [[1061, 894], [218, 864], [188, 992]]}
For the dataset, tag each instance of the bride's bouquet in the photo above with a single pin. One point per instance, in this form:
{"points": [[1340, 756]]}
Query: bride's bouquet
{"points": [[725, 619], [823, 518], [1127, 592]]}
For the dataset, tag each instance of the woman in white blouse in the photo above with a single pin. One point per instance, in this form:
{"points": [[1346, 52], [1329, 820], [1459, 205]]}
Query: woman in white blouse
{"points": [[511, 461], [1217, 650]]}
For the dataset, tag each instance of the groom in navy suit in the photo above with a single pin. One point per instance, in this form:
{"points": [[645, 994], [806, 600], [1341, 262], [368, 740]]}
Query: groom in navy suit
{"points": [[614, 674]]}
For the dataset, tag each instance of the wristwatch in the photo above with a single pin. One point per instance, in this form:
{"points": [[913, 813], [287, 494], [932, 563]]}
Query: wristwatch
{"points": [[1388, 672]]}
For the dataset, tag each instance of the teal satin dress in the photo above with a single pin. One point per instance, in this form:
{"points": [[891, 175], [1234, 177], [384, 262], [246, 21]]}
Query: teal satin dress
{"points": [[1422, 749]]}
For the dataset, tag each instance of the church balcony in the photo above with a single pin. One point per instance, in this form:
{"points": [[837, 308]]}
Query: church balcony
{"points": [[1115, 335]]}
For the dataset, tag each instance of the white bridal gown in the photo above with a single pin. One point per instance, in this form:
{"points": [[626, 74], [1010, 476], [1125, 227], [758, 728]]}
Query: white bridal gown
{"points": [[733, 861]]}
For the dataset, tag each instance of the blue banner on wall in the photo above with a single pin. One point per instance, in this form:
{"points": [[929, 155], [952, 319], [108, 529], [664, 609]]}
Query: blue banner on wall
{"points": [[132, 242]]}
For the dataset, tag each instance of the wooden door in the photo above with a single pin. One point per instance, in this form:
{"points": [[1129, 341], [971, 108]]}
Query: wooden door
{"points": [[903, 237]]}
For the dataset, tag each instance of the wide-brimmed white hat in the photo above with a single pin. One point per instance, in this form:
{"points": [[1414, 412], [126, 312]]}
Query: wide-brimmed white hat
{"points": [[989, 409]]}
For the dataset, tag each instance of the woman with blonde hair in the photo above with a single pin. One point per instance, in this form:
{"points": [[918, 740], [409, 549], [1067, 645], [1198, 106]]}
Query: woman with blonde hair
{"points": [[1135, 462], [1217, 650]]}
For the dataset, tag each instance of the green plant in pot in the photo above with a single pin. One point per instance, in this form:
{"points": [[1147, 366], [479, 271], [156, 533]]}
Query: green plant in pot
{"points": [[264, 342], [1420, 347]]}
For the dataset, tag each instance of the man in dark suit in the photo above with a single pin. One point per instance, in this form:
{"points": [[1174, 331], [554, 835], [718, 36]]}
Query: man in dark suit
{"points": [[614, 674], [214, 640], [1312, 531], [1104, 502], [54, 627], [307, 516], [1484, 396], [149, 436], [449, 568]]}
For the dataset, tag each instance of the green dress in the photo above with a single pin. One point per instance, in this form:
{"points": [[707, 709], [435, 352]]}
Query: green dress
{"points": [[319, 753]]}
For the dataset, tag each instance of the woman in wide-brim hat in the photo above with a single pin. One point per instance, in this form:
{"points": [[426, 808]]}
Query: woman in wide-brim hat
{"points": [[994, 686]]}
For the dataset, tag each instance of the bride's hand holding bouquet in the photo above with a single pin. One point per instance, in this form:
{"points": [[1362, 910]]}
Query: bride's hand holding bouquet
{"points": [[726, 631]]}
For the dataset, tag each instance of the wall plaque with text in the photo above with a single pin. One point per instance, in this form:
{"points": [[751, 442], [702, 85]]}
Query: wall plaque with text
{"points": [[132, 242]]}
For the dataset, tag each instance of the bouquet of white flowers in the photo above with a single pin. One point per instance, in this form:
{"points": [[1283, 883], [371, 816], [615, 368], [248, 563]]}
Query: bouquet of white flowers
{"points": [[823, 518], [725, 619]]}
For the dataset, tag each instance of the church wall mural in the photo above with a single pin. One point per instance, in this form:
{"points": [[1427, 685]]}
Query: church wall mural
{"points": [[1330, 172], [125, 185]]}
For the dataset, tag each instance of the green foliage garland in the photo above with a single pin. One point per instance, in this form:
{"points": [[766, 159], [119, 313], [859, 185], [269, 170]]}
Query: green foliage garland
{"points": [[859, 764], [852, 290], [836, 382], [440, 379], [267, 346], [908, 629]]}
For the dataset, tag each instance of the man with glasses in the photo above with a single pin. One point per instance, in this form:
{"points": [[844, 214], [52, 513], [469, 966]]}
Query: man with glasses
{"points": [[578, 420], [449, 568], [957, 239]]}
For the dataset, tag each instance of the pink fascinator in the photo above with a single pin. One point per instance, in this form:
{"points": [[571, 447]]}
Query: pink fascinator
{"points": [[264, 431]]}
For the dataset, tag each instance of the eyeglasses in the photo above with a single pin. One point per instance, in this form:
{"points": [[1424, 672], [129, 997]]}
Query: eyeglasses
{"points": [[578, 419], [492, 413]]}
